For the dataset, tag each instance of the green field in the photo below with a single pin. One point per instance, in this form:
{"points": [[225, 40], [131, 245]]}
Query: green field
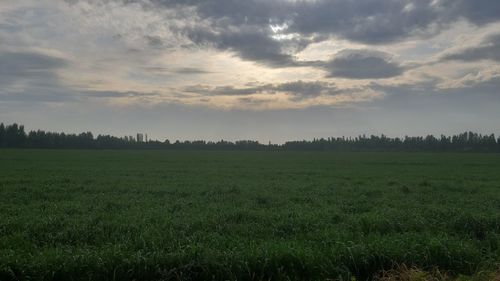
{"points": [[186, 215]]}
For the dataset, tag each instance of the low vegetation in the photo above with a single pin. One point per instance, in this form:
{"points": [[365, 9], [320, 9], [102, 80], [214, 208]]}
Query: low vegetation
{"points": [[203, 215]]}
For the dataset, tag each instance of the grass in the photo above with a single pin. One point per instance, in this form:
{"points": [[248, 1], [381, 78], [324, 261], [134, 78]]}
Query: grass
{"points": [[405, 273], [192, 215]]}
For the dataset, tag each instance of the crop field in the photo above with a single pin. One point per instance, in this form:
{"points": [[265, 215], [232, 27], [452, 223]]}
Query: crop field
{"points": [[206, 215]]}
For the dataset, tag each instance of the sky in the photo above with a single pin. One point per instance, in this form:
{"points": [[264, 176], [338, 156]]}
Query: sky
{"points": [[267, 70]]}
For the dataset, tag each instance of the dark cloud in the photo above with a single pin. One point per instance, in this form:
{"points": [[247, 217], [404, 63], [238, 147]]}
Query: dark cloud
{"points": [[380, 22], [190, 70], [253, 102], [58, 93], [29, 67], [248, 43], [469, 88], [488, 86], [303, 90], [258, 46], [154, 41], [363, 64], [227, 90], [244, 27], [367, 21], [475, 11], [34, 77], [233, 12], [298, 89], [179, 70], [489, 49], [28, 63], [38, 94], [362, 20]]}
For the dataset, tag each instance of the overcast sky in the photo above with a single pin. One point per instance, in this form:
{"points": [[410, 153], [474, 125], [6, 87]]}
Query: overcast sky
{"points": [[251, 69]]}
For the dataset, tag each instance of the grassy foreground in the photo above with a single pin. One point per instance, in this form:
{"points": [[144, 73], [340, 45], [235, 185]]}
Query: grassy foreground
{"points": [[186, 215]]}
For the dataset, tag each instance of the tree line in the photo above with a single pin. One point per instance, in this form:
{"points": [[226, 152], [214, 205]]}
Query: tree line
{"points": [[14, 136]]}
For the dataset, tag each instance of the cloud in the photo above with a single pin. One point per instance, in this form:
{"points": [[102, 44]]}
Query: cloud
{"points": [[272, 32], [248, 43], [470, 85], [298, 90], [227, 90], [381, 22], [31, 77], [154, 41], [367, 21], [28, 63], [303, 90], [178, 70], [48, 94], [476, 11], [363, 64], [287, 95], [116, 94], [190, 70], [171, 38], [488, 49]]}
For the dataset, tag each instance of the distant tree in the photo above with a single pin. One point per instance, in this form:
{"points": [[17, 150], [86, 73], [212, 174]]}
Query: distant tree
{"points": [[2, 135], [14, 136]]}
